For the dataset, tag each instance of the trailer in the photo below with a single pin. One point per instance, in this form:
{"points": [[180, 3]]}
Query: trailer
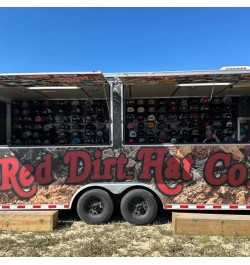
{"points": [[171, 140]]}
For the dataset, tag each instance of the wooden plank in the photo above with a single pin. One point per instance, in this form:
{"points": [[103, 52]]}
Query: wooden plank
{"points": [[210, 224], [28, 220]]}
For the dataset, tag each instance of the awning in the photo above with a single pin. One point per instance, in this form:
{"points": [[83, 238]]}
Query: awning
{"points": [[186, 84], [16, 86], [184, 77], [53, 79]]}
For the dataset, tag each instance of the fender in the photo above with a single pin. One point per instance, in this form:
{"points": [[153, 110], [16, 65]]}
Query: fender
{"points": [[118, 188]]}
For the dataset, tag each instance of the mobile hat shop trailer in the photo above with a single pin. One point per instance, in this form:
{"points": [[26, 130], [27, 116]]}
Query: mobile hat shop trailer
{"points": [[85, 140]]}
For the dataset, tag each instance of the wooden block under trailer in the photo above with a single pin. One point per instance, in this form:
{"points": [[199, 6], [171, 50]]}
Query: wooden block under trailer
{"points": [[28, 220], [211, 224]]}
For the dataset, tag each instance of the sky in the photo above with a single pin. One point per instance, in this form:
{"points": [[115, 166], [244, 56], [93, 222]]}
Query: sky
{"points": [[122, 39]]}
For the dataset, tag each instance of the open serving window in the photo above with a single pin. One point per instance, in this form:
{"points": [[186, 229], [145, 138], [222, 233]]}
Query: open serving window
{"points": [[55, 109], [184, 108]]}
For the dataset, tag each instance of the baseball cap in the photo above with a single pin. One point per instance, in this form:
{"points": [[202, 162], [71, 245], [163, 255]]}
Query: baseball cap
{"points": [[132, 134], [130, 109], [151, 117]]}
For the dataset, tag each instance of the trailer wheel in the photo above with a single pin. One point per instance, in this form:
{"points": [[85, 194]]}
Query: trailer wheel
{"points": [[139, 207], [95, 207]]}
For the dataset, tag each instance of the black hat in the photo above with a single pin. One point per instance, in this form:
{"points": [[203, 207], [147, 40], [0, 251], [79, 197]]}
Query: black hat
{"points": [[162, 125], [161, 110], [100, 118], [140, 133], [90, 126], [141, 125], [151, 139]]}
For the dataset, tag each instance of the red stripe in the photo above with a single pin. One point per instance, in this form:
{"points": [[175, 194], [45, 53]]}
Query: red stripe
{"points": [[36, 206], [20, 206], [66, 206], [168, 206], [248, 206], [233, 206], [184, 206], [217, 206], [52, 206], [200, 206], [5, 207]]}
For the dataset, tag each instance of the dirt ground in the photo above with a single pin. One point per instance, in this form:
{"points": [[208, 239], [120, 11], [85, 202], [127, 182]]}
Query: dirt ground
{"points": [[73, 238]]}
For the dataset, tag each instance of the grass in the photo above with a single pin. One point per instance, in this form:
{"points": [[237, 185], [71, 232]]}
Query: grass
{"points": [[118, 238]]}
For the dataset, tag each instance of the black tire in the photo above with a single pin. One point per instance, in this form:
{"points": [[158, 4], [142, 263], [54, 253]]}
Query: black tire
{"points": [[139, 207], [95, 207]]}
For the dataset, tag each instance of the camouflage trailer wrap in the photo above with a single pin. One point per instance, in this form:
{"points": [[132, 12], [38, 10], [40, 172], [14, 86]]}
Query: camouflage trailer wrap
{"points": [[199, 174]]}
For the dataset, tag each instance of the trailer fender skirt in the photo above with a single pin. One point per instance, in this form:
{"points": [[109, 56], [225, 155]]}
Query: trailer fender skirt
{"points": [[118, 188]]}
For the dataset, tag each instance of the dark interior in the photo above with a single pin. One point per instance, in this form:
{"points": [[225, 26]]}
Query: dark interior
{"points": [[186, 109], [58, 109]]}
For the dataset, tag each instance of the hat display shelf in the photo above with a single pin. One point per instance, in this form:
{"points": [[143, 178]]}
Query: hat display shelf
{"points": [[59, 122], [175, 120]]}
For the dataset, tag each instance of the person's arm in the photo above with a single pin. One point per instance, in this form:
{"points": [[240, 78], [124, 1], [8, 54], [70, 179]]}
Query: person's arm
{"points": [[215, 137]]}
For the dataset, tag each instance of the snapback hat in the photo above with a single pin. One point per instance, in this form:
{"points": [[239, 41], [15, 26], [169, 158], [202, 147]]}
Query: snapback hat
{"points": [[130, 117], [132, 134], [130, 125], [151, 117], [216, 101], [130, 109], [130, 102], [227, 100], [140, 102], [151, 102], [141, 140], [151, 109], [161, 117], [205, 100], [161, 110], [140, 109], [161, 125], [173, 140], [141, 125], [151, 124]]}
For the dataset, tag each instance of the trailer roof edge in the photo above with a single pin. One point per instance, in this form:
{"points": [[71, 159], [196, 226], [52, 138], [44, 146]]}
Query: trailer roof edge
{"points": [[52, 73], [176, 73]]}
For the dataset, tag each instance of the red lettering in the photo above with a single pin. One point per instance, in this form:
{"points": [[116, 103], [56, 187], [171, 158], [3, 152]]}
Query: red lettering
{"points": [[145, 154], [165, 189], [43, 173], [108, 163], [209, 168], [187, 162], [97, 166], [26, 180], [172, 170], [237, 175], [72, 158], [10, 167]]}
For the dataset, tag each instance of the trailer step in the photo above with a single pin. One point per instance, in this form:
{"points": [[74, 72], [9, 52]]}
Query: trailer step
{"points": [[211, 224], [28, 220]]}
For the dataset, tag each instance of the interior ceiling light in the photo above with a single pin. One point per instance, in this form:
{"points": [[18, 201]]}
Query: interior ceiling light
{"points": [[53, 87], [204, 84]]}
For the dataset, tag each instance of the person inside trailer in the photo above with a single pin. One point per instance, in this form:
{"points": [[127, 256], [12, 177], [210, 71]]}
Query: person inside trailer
{"points": [[211, 136]]}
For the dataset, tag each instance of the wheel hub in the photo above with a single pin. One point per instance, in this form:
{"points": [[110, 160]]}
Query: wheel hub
{"points": [[138, 207], [94, 206]]}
